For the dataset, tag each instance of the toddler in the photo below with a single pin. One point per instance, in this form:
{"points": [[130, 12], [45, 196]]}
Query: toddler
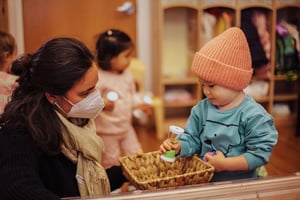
{"points": [[227, 129], [117, 86]]}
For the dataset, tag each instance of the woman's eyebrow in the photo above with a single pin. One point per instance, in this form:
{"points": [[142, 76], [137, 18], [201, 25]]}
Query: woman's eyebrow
{"points": [[87, 90]]}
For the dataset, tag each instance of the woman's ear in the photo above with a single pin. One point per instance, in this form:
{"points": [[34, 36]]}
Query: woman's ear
{"points": [[50, 97]]}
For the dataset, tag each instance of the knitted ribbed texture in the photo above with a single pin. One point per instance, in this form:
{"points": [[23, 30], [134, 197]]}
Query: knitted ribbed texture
{"points": [[225, 60]]}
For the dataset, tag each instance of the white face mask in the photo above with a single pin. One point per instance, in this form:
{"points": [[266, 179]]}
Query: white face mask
{"points": [[89, 107]]}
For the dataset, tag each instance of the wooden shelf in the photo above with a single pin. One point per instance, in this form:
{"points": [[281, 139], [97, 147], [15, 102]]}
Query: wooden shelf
{"points": [[286, 97], [177, 104], [282, 77], [262, 99], [180, 81], [187, 30]]}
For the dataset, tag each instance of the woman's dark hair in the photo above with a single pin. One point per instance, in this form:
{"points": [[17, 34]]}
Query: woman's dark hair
{"points": [[54, 68], [109, 45]]}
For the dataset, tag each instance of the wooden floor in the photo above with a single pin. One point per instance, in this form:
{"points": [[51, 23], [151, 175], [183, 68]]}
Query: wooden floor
{"points": [[285, 159]]}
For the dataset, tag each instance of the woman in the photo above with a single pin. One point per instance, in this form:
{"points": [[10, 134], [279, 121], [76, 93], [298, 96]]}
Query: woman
{"points": [[48, 143]]}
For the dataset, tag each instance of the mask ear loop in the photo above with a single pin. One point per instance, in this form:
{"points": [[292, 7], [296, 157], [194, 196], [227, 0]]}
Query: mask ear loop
{"points": [[55, 103], [72, 104]]}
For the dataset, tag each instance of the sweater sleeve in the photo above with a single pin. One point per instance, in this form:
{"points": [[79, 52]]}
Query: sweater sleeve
{"points": [[261, 137], [190, 140], [19, 169]]}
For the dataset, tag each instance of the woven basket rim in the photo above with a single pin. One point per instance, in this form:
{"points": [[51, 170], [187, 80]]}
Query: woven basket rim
{"points": [[210, 169]]}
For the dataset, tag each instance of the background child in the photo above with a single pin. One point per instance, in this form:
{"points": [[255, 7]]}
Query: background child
{"points": [[230, 124], [114, 53], [8, 53]]}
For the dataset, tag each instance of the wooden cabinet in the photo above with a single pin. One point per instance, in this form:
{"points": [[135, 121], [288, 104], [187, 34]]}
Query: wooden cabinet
{"points": [[287, 65], [176, 28], [182, 27], [3, 15]]}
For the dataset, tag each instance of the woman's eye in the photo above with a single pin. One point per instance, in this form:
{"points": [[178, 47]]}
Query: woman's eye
{"points": [[84, 94]]}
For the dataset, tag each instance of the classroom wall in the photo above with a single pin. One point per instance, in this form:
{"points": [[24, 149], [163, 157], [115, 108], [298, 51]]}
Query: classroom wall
{"points": [[141, 36]]}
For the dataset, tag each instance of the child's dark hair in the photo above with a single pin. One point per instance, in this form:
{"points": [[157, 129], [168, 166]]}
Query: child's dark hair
{"points": [[7, 45], [109, 45]]}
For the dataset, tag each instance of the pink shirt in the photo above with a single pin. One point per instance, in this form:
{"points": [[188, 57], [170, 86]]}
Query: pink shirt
{"points": [[119, 120]]}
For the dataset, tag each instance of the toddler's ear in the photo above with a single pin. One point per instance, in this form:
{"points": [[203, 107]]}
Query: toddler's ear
{"points": [[50, 97]]}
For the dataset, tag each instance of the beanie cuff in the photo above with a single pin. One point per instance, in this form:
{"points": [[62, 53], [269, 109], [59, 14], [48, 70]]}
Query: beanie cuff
{"points": [[216, 72]]}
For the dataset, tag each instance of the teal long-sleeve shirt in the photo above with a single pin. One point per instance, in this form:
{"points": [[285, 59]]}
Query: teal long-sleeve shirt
{"points": [[247, 130]]}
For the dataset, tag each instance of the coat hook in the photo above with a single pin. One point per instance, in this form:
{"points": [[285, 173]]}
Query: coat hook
{"points": [[127, 7]]}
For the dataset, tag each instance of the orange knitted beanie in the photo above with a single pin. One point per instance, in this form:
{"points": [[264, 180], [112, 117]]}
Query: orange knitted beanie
{"points": [[225, 60]]}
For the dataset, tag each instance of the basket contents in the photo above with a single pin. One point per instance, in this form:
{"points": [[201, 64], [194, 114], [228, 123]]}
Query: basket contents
{"points": [[149, 171]]}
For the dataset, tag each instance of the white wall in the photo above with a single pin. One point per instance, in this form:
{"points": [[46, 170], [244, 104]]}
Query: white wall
{"points": [[144, 37], [15, 22]]}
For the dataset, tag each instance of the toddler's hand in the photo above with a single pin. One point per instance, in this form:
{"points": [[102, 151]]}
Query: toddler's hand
{"points": [[169, 145], [140, 152], [146, 108], [212, 153], [215, 160], [109, 105]]}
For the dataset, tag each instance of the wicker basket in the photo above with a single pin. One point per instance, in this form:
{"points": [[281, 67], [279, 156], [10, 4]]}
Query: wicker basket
{"points": [[149, 171]]}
